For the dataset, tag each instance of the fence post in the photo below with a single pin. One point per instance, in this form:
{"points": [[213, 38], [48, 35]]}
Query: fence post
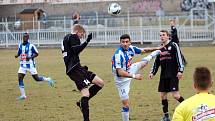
{"points": [[105, 31], [64, 22], [6, 28], [213, 4], [33, 23], [38, 34], [128, 17], [141, 30], [97, 24]]}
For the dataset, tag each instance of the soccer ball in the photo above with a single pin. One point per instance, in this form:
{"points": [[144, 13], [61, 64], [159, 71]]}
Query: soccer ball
{"points": [[114, 9]]}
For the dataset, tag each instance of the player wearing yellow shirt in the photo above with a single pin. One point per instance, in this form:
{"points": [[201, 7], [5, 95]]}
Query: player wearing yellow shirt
{"points": [[200, 107]]}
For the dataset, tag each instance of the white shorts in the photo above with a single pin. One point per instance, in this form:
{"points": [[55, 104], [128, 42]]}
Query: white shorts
{"points": [[23, 70], [123, 85]]}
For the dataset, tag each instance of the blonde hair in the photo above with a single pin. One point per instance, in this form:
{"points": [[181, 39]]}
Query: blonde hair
{"points": [[78, 28]]}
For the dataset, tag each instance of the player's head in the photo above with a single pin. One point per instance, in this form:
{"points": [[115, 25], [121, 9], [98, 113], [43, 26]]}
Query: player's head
{"points": [[172, 22], [164, 36], [79, 30], [25, 38], [125, 41], [202, 78]]}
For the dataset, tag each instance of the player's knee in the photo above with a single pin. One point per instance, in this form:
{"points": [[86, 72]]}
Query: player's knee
{"points": [[20, 76], [163, 97], [125, 103], [101, 83], [144, 64], [98, 82], [36, 78], [176, 96]]}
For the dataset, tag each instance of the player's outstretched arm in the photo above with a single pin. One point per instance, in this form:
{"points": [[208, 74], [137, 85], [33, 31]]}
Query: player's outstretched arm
{"points": [[78, 48], [123, 73], [150, 49]]}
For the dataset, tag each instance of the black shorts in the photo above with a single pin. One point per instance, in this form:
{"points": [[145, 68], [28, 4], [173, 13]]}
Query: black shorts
{"points": [[81, 76], [168, 85]]}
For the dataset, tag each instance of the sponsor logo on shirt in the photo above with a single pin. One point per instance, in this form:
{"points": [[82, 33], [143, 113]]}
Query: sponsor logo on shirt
{"points": [[204, 113], [23, 56]]}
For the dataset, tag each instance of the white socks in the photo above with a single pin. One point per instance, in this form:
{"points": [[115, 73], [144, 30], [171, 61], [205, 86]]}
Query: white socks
{"points": [[125, 114], [22, 90]]}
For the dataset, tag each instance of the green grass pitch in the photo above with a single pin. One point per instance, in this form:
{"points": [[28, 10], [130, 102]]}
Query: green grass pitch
{"points": [[58, 104]]}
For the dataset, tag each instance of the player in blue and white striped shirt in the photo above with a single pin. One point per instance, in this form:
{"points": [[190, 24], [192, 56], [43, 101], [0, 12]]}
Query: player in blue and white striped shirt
{"points": [[27, 52], [124, 70]]}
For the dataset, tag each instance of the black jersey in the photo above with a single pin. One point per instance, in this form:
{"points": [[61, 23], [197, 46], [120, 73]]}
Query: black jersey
{"points": [[71, 48], [170, 61], [174, 35]]}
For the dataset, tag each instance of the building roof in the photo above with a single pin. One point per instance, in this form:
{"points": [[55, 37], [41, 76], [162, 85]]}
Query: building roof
{"points": [[30, 10]]}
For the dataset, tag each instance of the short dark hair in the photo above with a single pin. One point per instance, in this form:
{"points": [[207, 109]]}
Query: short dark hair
{"points": [[125, 36], [25, 34], [202, 78], [165, 31]]}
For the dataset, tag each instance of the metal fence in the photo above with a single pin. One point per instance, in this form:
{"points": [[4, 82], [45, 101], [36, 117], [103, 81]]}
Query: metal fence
{"points": [[107, 30]]}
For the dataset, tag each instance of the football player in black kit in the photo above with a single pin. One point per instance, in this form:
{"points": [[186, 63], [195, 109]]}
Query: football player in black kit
{"points": [[172, 68], [83, 78]]}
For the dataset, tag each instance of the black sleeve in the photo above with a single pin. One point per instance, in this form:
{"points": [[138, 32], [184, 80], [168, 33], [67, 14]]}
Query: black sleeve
{"points": [[179, 58], [174, 35], [76, 47], [156, 65]]}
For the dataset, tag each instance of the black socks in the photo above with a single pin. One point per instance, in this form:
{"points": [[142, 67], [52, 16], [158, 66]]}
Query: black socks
{"points": [[165, 106], [181, 99], [85, 108], [93, 90]]}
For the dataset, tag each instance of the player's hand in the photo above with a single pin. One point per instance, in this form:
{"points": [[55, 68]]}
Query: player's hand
{"points": [[16, 56], [151, 76], [161, 46], [138, 76], [89, 37], [179, 75]]}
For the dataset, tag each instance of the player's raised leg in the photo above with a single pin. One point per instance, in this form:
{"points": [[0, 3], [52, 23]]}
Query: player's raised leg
{"points": [[151, 56], [135, 67], [98, 83], [42, 78]]}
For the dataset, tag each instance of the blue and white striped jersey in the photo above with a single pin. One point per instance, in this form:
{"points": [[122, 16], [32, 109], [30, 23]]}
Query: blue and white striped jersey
{"points": [[27, 51], [123, 59]]}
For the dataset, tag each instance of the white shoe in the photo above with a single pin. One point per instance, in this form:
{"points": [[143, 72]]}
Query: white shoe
{"points": [[21, 98], [51, 82]]}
